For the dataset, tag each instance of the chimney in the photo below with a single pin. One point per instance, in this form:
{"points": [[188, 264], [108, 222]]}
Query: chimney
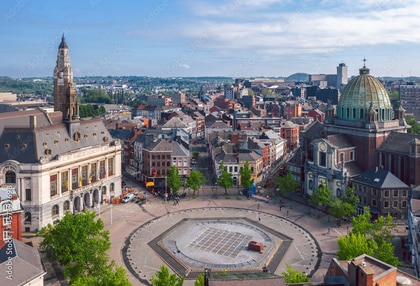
{"points": [[32, 121]]}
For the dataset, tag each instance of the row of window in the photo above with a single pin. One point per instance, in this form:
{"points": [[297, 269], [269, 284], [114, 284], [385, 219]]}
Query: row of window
{"points": [[80, 176], [386, 204], [323, 158], [386, 193]]}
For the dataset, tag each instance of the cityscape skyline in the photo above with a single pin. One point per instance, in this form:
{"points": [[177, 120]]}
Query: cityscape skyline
{"points": [[234, 38]]}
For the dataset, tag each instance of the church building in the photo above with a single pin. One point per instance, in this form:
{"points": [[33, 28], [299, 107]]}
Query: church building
{"points": [[56, 161], [363, 132]]}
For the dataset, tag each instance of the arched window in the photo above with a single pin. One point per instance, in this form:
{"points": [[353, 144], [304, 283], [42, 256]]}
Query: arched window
{"points": [[66, 206], [10, 177], [28, 217], [54, 212]]}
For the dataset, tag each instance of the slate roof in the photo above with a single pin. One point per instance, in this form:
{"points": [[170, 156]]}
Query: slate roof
{"points": [[398, 142], [381, 179], [122, 134], [219, 125], [28, 145], [26, 261], [175, 122], [340, 141], [352, 169], [314, 130], [226, 158], [172, 146]]}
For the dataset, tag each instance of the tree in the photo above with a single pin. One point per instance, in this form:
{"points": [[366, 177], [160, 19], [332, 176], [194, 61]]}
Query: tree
{"points": [[109, 276], [393, 95], [344, 207], [353, 245], [225, 179], [294, 276], [377, 235], [195, 180], [174, 180], [80, 244], [321, 197], [287, 184], [246, 176], [163, 278], [200, 280], [415, 126]]}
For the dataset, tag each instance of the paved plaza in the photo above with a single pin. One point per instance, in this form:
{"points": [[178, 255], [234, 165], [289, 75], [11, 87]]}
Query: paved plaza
{"points": [[136, 230]]}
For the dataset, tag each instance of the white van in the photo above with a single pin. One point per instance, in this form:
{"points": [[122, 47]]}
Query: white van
{"points": [[129, 197]]}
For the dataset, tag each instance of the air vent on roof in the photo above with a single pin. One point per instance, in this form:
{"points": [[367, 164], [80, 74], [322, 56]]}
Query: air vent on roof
{"points": [[376, 180], [403, 281], [7, 146]]}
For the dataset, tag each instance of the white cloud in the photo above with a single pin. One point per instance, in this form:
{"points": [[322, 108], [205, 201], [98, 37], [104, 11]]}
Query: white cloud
{"points": [[184, 66]]}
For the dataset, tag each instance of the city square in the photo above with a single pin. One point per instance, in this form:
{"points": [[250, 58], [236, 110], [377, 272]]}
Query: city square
{"points": [[133, 227]]}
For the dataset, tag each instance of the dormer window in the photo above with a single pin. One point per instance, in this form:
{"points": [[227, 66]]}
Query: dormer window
{"points": [[76, 136]]}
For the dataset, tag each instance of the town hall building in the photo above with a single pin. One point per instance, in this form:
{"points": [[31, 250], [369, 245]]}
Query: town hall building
{"points": [[57, 162]]}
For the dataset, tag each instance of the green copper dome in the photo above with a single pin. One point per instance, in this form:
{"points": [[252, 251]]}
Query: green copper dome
{"points": [[365, 99]]}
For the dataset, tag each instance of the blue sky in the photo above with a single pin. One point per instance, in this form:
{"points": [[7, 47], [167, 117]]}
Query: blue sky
{"points": [[236, 38]]}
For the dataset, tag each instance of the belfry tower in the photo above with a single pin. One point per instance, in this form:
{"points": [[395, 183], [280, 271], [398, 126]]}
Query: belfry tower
{"points": [[64, 93]]}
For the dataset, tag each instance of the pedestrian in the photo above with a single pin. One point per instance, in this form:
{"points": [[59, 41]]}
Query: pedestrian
{"points": [[287, 212], [280, 207], [259, 219], [329, 229]]}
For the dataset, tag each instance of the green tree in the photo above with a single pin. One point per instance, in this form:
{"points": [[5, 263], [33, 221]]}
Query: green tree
{"points": [[80, 244], [250, 92], [377, 235], [321, 197], [344, 207], [353, 245], [195, 180], [163, 278], [415, 125], [225, 179], [294, 276], [200, 280], [266, 91], [287, 184], [246, 176], [95, 96], [174, 180], [393, 95], [111, 275]]}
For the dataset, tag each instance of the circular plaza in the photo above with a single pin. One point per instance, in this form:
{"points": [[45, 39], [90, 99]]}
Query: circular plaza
{"points": [[218, 238]]}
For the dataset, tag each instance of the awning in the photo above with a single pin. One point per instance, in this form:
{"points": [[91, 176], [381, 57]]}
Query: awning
{"points": [[150, 184]]}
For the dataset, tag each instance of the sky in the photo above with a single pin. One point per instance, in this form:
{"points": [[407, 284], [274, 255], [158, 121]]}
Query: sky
{"points": [[233, 38]]}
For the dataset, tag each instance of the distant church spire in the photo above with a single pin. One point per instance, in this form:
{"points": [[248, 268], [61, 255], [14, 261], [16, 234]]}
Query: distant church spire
{"points": [[64, 93]]}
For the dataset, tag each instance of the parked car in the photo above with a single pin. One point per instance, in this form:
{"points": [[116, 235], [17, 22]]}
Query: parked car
{"points": [[129, 197]]}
